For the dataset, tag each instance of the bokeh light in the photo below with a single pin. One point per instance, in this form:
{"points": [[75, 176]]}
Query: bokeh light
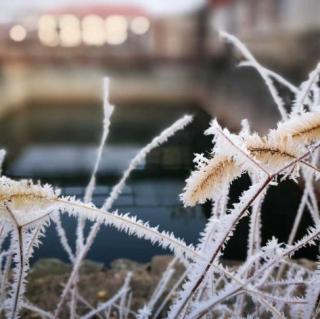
{"points": [[116, 28], [70, 33], [47, 21], [93, 30], [47, 30], [140, 25], [18, 33]]}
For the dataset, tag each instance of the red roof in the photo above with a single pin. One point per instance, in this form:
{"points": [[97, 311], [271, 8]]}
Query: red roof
{"points": [[101, 10], [220, 3]]}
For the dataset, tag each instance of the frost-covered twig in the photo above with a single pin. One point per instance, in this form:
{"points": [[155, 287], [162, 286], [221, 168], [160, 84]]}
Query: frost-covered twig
{"points": [[262, 71], [42, 313], [63, 237], [248, 198], [170, 294], [117, 189], [107, 112], [159, 290], [268, 277], [272, 74], [301, 97], [163, 137], [124, 289]]}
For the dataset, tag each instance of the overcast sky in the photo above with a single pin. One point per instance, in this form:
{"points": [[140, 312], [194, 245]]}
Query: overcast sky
{"points": [[11, 8]]}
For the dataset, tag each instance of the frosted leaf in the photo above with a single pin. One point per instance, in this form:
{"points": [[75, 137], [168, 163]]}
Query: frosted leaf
{"points": [[234, 146], [271, 152], [209, 180], [25, 200], [304, 128]]}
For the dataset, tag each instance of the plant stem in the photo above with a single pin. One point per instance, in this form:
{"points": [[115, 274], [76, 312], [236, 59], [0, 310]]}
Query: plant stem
{"points": [[15, 307]]}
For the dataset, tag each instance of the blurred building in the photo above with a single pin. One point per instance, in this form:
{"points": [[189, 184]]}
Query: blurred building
{"points": [[109, 33], [122, 35], [79, 31], [283, 30], [248, 17], [169, 58]]}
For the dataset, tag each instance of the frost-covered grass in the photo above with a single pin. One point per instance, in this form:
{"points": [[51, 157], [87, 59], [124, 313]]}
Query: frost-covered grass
{"points": [[267, 285]]}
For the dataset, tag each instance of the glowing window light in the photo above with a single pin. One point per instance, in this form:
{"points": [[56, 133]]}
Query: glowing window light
{"points": [[116, 30], [47, 21], [70, 37], [18, 33], [69, 20], [47, 30], [70, 34], [48, 38], [140, 25], [93, 30]]}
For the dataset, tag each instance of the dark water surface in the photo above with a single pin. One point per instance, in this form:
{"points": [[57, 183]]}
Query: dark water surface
{"points": [[58, 143]]}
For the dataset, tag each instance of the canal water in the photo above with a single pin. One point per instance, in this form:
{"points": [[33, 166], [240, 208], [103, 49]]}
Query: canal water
{"points": [[58, 144]]}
